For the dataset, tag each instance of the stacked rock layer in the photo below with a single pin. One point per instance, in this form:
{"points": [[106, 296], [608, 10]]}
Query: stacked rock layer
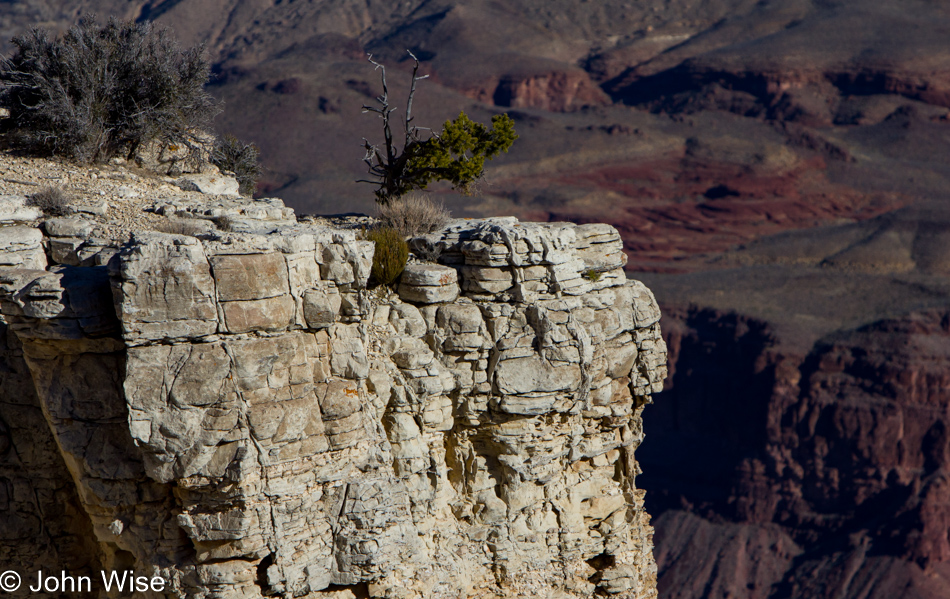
{"points": [[240, 415]]}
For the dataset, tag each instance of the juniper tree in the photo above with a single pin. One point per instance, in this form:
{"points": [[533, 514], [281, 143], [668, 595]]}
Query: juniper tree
{"points": [[456, 154]]}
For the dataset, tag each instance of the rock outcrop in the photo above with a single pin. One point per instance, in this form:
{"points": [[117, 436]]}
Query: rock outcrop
{"points": [[556, 90], [240, 415]]}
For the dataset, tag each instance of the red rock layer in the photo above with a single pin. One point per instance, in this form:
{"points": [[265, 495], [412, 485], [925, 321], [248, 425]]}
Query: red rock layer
{"points": [[673, 212], [556, 91]]}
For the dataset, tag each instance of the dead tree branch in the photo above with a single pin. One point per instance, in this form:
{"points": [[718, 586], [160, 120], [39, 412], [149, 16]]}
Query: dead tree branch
{"points": [[388, 168]]}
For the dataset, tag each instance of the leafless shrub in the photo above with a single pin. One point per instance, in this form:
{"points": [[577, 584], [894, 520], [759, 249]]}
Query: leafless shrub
{"points": [[413, 214], [53, 201], [101, 91], [232, 154], [224, 223], [425, 249]]}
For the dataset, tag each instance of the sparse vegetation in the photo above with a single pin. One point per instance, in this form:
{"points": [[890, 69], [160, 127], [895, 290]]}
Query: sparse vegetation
{"points": [[591, 275], [233, 155], [413, 214], [101, 91], [53, 201], [423, 250], [392, 252], [457, 154], [224, 223]]}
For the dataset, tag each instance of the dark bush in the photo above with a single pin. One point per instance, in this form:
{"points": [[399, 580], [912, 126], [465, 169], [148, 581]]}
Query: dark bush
{"points": [[101, 91], [224, 223], [232, 154], [392, 252], [53, 201]]}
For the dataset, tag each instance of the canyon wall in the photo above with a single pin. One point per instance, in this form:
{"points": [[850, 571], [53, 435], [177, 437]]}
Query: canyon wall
{"points": [[825, 465], [238, 414]]}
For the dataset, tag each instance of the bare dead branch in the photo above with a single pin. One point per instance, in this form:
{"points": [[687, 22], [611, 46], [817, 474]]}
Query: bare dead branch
{"points": [[410, 131]]}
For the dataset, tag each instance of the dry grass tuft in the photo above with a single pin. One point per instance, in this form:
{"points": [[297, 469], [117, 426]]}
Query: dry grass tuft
{"points": [[224, 223], [53, 201], [413, 214]]}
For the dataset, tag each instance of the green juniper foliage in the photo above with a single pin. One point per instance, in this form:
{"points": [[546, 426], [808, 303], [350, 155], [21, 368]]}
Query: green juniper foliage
{"points": [[457, 154]]}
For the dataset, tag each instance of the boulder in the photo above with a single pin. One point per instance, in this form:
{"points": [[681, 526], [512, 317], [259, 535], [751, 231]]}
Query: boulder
{"points": [[213, 183]]}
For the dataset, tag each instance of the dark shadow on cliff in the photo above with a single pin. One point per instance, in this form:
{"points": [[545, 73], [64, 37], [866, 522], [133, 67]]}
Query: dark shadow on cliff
{"points": [[710, 417]]}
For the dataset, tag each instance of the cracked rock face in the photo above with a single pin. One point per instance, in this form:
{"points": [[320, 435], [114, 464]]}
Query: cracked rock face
{"points": [[241, 416]]}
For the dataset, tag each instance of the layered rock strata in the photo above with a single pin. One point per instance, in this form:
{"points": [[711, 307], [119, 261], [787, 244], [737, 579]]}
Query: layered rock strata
{"points": [[241, 416]]}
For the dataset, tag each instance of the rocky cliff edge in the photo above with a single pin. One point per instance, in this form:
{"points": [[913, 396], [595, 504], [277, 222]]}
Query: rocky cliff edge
{"points": [[236, 412]]}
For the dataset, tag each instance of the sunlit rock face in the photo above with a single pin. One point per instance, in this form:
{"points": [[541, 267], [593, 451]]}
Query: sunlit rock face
{"points": [[240, 415]]}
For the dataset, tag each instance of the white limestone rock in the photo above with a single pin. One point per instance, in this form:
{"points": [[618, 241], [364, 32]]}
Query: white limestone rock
{"points": [[21, 247], [164, 288], [14, 209], [69, 227], [262, 424], [210, 183], [426, 283]]}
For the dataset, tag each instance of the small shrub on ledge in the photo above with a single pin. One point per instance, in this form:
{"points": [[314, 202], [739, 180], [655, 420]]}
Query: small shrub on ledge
{"points": [[391, 255], [230, 154], [592, 275], [53, 201]]}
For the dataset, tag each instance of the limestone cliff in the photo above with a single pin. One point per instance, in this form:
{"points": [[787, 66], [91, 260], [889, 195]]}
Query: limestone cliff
{"points": [[237, 413]]}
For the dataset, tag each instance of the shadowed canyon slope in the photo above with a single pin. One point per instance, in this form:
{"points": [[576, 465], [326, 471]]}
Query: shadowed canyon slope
{"points": [[778, 171], [802, 442]]}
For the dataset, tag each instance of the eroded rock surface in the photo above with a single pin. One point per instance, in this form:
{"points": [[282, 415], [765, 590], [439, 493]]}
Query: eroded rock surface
{"points": [[241, 416]]}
